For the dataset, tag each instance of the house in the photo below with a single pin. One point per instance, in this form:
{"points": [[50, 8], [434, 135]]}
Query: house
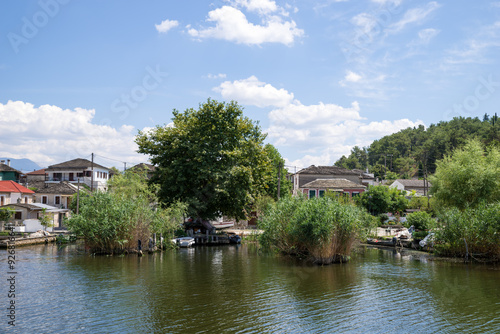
{"points": [[148, 168], [37, 175], [12, 192], [313, 173], [421, 187], [319, 187], [79, 171], [57, 194], [27, 215], [367, 179], [8, 173]]}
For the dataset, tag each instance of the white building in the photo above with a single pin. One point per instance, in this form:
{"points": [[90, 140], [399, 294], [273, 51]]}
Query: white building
{"points": [[79, 170]]}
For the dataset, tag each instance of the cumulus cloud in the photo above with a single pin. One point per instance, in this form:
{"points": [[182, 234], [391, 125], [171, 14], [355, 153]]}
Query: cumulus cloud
{"points": [[216, 76], [350, 77], [49, 134], [166, 25], [254, 92], [232, 25], [320, 133], [259, 6]]}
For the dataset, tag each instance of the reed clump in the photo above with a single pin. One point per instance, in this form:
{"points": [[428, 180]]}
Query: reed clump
{"points": [[473, 232], [322, 230]]}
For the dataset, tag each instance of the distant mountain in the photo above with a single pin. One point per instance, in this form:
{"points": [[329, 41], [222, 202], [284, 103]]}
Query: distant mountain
{"points": [[23, 165]]}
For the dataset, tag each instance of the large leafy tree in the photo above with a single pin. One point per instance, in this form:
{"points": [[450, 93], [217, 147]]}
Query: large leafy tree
{"points": [[381, 199], [468, 177], [211, 158], [277, 171]]}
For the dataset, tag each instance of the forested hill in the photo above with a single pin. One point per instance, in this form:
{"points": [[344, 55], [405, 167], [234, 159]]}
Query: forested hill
{"points": [[413, 151]]}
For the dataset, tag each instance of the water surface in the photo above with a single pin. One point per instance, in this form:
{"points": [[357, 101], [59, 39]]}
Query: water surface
{"points": [[236, 289]]}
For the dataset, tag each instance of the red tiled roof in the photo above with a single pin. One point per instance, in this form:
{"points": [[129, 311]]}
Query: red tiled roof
{"points": [[37, 172], [13, 187]]}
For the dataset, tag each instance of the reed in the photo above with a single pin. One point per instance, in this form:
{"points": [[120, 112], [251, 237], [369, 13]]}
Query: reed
{"points": [[322, 230]]}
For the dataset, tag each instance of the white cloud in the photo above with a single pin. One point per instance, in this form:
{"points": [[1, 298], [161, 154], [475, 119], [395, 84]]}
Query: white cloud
{"points": [[321, 133], [166, 25], [415, 15], [259, 6], [232, 25], [350, 77], [425, 35], [216, 76], [49, 134], [254, 92]]}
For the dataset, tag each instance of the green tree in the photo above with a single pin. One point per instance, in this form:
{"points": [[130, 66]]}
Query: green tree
{"points": [[45, 219], [212, 159], [6, 214], [382, 199], [468, 177], [277, 163]]}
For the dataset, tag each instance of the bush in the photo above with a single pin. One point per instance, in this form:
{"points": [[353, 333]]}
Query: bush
{"points": [[421, 220], [474, 231], [321, 229], [420, 234]]}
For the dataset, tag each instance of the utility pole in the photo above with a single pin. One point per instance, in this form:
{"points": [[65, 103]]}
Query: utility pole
{"points": [[78, 197], [124, 166], [279, 179], [92, 175]]}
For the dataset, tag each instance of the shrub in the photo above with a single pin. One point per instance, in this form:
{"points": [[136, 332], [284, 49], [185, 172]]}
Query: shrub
{"points": [[421, 220]]}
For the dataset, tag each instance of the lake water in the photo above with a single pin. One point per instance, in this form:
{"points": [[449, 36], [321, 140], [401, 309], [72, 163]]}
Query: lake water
{"points": [[236, 289]]}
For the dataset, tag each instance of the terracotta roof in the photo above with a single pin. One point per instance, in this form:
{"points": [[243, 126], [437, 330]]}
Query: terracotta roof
{"points": [[326, 170], [13, 187], [7, 168], [75, 164], [37, 172], [412, 183], [59, 188], [333, 184]]}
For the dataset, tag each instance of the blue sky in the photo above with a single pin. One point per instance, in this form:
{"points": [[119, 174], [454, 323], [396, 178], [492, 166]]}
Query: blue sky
{"points": [[78, 77]]}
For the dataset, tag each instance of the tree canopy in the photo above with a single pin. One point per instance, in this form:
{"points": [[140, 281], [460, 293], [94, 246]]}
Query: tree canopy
{"points": [[413, 151], [468, 177], [212, 159]]}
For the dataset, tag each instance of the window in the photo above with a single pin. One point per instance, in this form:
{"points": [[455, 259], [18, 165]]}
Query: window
{"points": [[26, 199], [57, 177], [44, 200], [57, 200], [18, 215], [2, 200], [312, 193], [321, 193], [354, 194]]}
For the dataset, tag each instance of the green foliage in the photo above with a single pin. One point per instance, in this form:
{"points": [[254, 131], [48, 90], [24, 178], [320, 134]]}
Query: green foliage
{"points": [[474, 229], [416, 150], [126, 213], [276, 163], [212, 159], [6, 213], [421, 220], [381, 199], [392, 176], [420, 234], [320, 228], [468, 177], [45, 219]]}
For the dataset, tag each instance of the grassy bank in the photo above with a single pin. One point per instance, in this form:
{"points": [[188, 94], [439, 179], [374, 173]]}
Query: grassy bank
{"points": [[322, 230]]}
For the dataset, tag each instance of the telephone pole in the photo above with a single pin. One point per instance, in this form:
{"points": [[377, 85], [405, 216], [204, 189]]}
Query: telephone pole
{"points": [[92, 175], [279, 179]]}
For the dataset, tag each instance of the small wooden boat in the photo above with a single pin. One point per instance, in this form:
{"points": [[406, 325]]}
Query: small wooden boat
{"points": [[184, 241]]}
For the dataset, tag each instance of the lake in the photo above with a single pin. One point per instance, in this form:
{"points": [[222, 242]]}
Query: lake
{"points": [[237, 289]]}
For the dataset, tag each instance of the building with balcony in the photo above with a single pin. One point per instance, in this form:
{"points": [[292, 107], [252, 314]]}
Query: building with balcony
{"points": [[80, 171]]}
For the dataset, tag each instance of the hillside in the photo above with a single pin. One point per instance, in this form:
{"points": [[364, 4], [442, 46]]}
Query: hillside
{"points": [[413, 151], [23, 165]]}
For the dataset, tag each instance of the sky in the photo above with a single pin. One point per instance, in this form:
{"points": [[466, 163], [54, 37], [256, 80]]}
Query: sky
{"points": [[320, 76]]}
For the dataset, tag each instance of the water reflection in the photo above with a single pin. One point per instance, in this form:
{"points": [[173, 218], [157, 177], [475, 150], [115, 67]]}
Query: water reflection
{"points": [[237, 289]]}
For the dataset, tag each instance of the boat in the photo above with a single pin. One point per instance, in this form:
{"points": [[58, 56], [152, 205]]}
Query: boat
{"points": [[394, 242], [184, 241], [234, 238]]}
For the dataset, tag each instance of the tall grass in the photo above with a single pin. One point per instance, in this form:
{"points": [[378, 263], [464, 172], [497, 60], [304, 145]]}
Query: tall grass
{"points": [[473, 231], [322, 230]]}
